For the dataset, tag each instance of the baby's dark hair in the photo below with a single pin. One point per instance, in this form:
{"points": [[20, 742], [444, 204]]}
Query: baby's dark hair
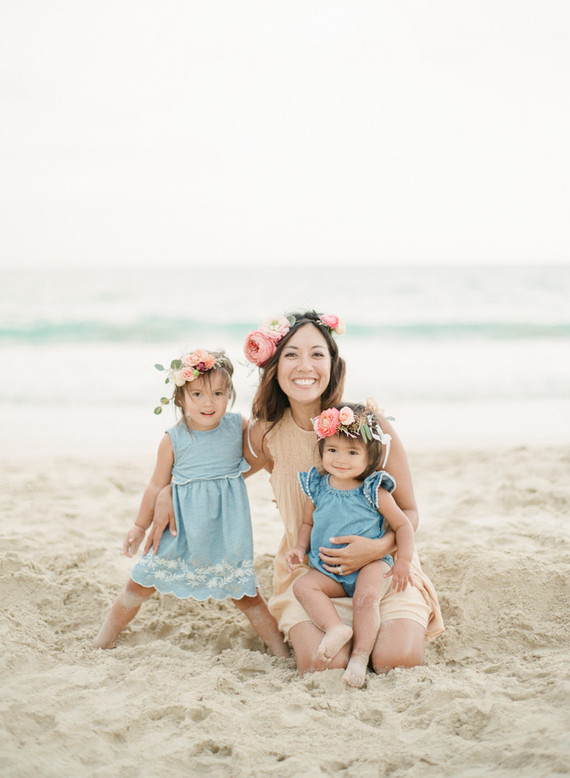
{"points": [[373, 446], [223, 367]]}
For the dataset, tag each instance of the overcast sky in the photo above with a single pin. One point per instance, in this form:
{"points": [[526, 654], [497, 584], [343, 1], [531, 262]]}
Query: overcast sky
{"points": [[201, 131]]}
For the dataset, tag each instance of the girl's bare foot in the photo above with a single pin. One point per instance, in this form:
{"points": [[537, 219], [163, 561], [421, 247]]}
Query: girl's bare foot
{"points": [[333, 641], [355, 673]]}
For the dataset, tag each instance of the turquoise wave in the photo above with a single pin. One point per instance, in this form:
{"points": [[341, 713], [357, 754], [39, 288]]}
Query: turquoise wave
{"points": [[160, 329]]}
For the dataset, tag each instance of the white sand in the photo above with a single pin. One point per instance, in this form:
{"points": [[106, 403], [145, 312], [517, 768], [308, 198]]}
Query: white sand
{"points": [[189, 690]]}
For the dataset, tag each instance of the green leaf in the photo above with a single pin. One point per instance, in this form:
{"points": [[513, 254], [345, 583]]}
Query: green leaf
{"points": [[291, 320], [158, 410], [176, 364], [159, 367], [164, 400]]}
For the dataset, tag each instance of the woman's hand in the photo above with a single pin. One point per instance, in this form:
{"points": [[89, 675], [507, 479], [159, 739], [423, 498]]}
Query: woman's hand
{"points": [[132, 540], [163, 517], [358, 552]]}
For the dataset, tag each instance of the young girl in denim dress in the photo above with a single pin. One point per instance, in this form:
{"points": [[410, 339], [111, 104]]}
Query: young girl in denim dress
{"points": [[353, 497], [210, 554]]}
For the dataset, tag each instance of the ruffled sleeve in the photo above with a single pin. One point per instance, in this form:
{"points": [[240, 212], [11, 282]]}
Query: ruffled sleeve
{"points": [[311, 483], [374, 482]]}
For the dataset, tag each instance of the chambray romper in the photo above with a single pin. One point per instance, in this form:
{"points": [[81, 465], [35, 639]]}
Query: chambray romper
{"points": [[344, 512], [212, 555]]}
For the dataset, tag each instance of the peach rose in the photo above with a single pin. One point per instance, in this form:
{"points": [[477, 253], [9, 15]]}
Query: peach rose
{"points": [[199, 357], [326, 424], [346, 416], [259, 347], [275, 328]]}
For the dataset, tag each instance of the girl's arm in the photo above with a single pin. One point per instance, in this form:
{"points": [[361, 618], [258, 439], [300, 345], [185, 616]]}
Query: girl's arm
{"points": [[159, 479], [296, 555], [361, 551], [399, 522]]}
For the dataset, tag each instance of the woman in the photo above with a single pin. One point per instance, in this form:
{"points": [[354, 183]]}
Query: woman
{"points": [[301, 373]]}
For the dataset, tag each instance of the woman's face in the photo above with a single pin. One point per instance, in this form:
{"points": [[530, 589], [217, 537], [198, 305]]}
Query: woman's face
{"points": [[304, 367]]}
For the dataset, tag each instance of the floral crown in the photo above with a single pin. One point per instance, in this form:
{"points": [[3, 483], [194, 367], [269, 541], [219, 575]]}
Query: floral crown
{"points": [[261, 344], [365, 425], [188, 368]]}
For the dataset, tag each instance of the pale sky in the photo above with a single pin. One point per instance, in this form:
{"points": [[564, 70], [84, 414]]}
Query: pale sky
{"points": [[214, 131]]}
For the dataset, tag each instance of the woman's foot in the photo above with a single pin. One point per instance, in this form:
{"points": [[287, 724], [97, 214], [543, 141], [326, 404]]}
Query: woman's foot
{"points": [[333, 641]]}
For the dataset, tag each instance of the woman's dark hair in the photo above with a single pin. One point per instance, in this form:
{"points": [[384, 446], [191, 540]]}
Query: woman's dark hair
{"points": [[373, 447], [223, 367], [270, 400]]}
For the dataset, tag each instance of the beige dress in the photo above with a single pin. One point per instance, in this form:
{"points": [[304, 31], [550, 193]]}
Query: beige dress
{"points": [[293, 450]]}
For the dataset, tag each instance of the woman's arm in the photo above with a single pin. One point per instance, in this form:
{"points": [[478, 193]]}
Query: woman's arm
{"points": [[361, 551], [159, 479], [255, 449]]}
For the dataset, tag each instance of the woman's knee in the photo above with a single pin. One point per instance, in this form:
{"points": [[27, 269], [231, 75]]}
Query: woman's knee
{"points": [[400, 643]]}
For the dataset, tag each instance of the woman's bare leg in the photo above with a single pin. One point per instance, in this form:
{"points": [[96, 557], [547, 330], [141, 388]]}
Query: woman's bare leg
{"points": [[123, 610], [256, 610], [400, 643], [314, 591], [306, 638], [369, 589]]}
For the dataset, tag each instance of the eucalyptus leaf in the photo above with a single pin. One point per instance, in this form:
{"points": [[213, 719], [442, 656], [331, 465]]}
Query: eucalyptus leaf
{"points": [[176, 364], [159, 367], [164, 400], [158, 410], [291, 320]]}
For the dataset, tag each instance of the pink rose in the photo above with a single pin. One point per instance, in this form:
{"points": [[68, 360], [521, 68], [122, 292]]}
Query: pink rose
{"points": [[186, 374], [334, 323], [275, 328], [259, 347], [200, 357], [326, 424], [346, 416]]}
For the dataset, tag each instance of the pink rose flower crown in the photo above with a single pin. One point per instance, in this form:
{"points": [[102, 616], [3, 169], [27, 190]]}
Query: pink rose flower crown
{"points": [[186, 369], [333, 421], [261, 344]]}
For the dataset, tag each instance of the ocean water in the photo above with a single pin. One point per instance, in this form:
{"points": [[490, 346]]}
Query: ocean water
{"points": [[461, 356]]}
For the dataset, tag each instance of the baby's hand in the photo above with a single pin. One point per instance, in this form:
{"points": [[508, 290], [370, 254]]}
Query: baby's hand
{"points": [[294, 557], [132, 541], [401, 575]]}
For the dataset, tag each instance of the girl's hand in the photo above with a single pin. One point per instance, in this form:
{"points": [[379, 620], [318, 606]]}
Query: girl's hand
{"points": [[401, 575], [163, 517], [132, 540], [358, 552], [294, 557]]}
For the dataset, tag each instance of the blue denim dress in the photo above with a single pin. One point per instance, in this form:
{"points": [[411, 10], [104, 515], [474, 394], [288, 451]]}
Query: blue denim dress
{"points": [[344, 512], [212, 555]]}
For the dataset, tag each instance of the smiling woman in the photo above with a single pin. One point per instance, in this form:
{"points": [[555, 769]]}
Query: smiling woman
{"points": [[302, 373]]}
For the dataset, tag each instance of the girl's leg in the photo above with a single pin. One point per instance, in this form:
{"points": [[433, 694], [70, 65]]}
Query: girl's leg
{"points": [[314, 591], [123, 610], [369, 590], [400, 643], [306, 638], [256, 610]]}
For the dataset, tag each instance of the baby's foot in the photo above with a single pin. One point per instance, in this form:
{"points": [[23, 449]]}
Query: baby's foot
{"points": [[333, 641], [355, 673]]}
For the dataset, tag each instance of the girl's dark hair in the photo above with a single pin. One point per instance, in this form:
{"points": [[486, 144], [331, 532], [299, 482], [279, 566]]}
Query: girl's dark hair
{"points": [[223, 367], [373, 447], [270, 400]]}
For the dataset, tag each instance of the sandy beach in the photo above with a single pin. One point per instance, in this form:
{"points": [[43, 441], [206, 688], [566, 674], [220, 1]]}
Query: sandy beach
{"points": [[190, 690]]}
